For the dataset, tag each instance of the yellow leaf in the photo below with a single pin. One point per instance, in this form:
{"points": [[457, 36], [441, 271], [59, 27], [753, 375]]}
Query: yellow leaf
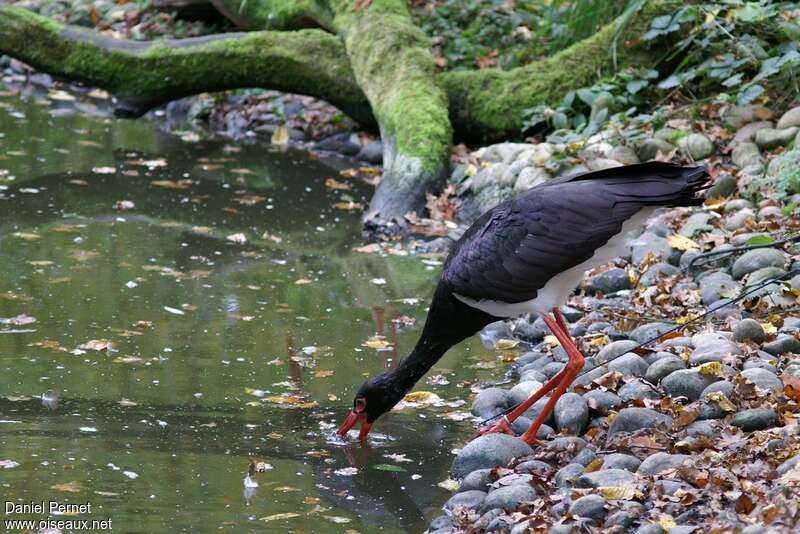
{"points": [[281, 135], [449, 484], [682, 243], [506, 344], [322, 373], [26, 236], [278, 517], [769, 328], [599, 341], [97, 344], [666, 522], [620, 493], [710, 369], [377, 343], [70, 487], [722, 401], [551, 340], [423, 397]]}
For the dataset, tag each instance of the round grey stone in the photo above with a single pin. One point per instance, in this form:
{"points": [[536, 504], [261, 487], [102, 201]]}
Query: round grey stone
{"points": [[614, 349], [522, 391], [477, 480], [537, 467], [489, 402], [566, 476], [649, 331], [488, 451], [763, 379], [713, 350], [629, 364], [602, 402], [590, 506], [661, 461], [783, 344], [571, 413], [686, 383], [753, 260], [509, 497], [749, 330], [632, 419], [663, 367], [638, 390], [656, 272], [755, 419], [619, 460], [606, 477], [610, 281], [471, 499]]}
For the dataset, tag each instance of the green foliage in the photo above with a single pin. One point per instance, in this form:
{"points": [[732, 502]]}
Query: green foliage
{"points": [[731, 45], [497, 33]]}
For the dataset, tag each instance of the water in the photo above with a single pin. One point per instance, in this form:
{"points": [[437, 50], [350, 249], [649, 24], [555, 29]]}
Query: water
{"points": [[220, 351]]}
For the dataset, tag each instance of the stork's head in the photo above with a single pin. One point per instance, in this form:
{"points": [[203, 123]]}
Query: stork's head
{"points": [[376, 396]]}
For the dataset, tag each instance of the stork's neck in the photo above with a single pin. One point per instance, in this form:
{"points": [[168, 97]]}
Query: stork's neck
{"points": [[449, 321]]}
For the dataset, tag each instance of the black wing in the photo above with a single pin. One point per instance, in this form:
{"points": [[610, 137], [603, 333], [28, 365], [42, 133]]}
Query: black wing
{"points": [[511, 251]]}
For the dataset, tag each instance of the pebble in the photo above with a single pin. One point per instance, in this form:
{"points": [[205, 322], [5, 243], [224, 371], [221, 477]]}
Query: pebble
{"points": [[790, 118], [606, 478], [749, 330], [590, 506], [632, 419], [739, 219], [602, 402], [649, 331], [489, 402], [716, 285], [610, 281], [767, 138], [755, 419], [571, 413], [638, 390], [713, 351], [566, 476], [614, 349], [523, 391], [537, 467], [650, 243], [656, 272], [509, 497], [763, 379], [746, 154], [686, 383], [652, 528], [783, 344], [624, 154], [698, 146], [488, 451], [788, 465], [724, 186], [661, 461], [471, 499], [629, 364], [663, 367], [753, 260], [477, 480], [748, 131], [649, 148], [619, 460]]}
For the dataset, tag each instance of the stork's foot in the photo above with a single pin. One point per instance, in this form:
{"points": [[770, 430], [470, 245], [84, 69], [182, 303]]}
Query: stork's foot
{"points": [[501, 427], [532, 441]]}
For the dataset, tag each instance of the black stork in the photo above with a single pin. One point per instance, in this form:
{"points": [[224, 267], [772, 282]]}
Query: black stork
{"points": [[527, 255]]}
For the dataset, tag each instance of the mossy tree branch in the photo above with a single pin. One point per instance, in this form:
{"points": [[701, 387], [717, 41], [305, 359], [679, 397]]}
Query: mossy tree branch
{"points": [[145, 74], [377, 69]]}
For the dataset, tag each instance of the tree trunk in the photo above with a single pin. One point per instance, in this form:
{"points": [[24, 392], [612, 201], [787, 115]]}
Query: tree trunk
{"points": [[378, 69]]}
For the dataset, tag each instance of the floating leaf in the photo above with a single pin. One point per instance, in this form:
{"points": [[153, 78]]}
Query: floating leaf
{"points": [[346, 471], [172, 184], [174, 311], [239, 239], [8, 464], [423, 397], [449, 484], [280, 136], [27, 236], [97, 344], [506, 344], [389, 467], [69, 487], [278, 517], [377, 342]]}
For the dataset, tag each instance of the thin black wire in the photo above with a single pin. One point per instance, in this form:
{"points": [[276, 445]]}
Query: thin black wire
{"points": [[731, 251], [679, 327]]}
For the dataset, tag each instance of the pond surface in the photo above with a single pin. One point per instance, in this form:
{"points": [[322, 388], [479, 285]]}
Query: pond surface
{"points": [[147, 352]]}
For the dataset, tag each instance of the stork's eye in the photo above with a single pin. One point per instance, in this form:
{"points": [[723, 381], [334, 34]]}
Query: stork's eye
{"points": [[361, 404]]}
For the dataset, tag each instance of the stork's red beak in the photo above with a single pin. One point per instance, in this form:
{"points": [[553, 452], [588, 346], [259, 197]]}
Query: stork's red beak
{"points": [[350, 422]]}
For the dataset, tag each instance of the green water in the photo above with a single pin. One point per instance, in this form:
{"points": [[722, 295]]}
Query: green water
{"points": [[221, 351]]}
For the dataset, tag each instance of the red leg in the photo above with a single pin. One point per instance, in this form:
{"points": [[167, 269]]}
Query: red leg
{"points": [[561, 321], [573, 367], [504, 424]]}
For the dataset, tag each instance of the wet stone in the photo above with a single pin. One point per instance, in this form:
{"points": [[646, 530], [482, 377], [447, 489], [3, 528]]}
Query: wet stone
{"points": [[632, 419], [755, 419], [661, 461], [511, 480], [522, 391], [763, 379], [509, 497], [441, 522], [537, 467], [590, 506], [488, 451], [471, 499], [489, 402], [571, 413], [477, 480]]}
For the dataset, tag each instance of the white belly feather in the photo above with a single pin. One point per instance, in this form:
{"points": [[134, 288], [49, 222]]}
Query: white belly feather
{"points": [[555, 292]]}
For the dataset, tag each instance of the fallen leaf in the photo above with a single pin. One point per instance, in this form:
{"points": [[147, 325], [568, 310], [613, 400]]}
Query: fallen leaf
{"points": [[278, 517], [280, 136], [97, 344], [620, 493], [70, 487], [680, 242], [389, 467], [239, 239], [449, 484], [27, 236]]}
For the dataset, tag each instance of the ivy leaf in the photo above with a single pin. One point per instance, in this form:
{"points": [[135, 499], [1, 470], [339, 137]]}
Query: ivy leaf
{"points": [[759, 240], [634, 86], [389, 467], [749, 94]]}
